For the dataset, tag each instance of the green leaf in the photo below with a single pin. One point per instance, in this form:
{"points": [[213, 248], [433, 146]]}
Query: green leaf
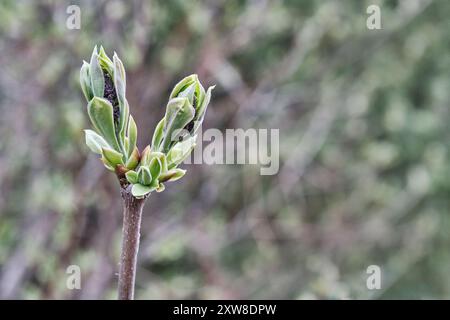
{"points": [[200, 94], [133, 160], [155, 168], [145, 156], [158, 134], [161, 187], [144, 176], [172, 175], [179, 113], [188, 93], [201, 111], [96, 73], [105, 61], [124, 116], [180, 151], [85, 81], [119, 70], [101, 114], [139, 190], [120, 85], [132, 135], [95, 142], [183, 84], [125, 143], [112, 156], [107, 165], [132, 176], [162, 159]]}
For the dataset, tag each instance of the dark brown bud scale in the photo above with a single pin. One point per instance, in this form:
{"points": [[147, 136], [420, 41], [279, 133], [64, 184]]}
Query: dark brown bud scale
{"points": [[111, 96], [190, 125]]}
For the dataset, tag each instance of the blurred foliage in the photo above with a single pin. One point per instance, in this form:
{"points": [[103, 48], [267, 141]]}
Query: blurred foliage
{"points": [[364, 146]]}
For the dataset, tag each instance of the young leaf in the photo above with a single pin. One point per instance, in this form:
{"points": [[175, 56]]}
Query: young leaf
{"points": [[133, 160], [120, 84], [95, 142], [145, 156], [123, 120], [132, 135], [188, 93], [200, 94], [155, 168], [158, 134], [119, 70], [101, 114], [172, 175], [162, 159], [179, 113], [125, 143], [96, 73], [180, 151], [161, 187], [182, 84], [144, 176], [85, 81], [105, 61], [107, 164], [132, 176], [201, 111], [112, 156], [139, 191]]}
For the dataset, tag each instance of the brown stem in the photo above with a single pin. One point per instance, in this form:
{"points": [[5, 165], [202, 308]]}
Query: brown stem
{"points": [[132, 215]]}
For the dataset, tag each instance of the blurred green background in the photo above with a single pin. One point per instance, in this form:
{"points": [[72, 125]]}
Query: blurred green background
{"points": [[364, 150]]}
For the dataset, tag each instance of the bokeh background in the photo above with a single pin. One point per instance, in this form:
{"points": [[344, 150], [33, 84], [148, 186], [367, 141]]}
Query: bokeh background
{"points": [[364, 150]]}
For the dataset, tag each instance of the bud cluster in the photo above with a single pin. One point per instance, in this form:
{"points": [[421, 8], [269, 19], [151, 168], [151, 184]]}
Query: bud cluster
{"points": [[103, 83]]}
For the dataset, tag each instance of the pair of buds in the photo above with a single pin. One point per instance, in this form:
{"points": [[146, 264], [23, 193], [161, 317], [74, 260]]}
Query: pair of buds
{"points": [[103, 83]]}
